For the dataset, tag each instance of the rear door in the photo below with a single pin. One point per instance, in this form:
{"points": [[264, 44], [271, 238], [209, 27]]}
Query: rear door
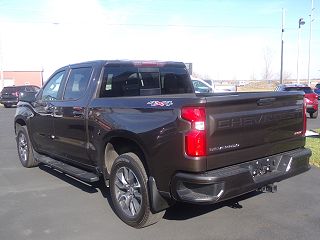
{"points": [[70, 117], [247, 126]]}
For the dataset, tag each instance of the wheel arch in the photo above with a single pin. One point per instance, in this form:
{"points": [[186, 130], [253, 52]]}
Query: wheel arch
{"points": [[19, 121], [121, 142]]}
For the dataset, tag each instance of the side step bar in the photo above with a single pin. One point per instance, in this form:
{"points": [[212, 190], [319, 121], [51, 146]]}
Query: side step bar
{"points": [[66, 168]]}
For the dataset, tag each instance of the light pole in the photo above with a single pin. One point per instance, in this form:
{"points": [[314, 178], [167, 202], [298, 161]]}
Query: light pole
{"points": [[282, 36], [301, 22], [310, 36]]}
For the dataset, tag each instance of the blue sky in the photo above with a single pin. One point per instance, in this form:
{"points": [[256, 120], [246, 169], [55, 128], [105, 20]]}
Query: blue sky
{"points": [[224, 39]]}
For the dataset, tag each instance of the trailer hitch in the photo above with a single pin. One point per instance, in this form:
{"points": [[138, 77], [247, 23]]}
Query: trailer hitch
{"points": [[269, 188]]}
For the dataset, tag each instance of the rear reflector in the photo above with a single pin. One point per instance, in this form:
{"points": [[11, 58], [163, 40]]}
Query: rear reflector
{"points": [[195, 139], [195, 143]]}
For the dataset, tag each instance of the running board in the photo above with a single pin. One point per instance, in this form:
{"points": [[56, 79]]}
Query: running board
{"points": [[68, 169]]}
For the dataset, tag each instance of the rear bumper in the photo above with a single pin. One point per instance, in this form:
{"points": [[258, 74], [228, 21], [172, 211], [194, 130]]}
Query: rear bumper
{"points": [[225, 183], [9, 101]]}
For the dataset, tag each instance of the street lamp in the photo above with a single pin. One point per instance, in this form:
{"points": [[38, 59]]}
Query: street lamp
{"points": [[282, 35], [301, 23]]}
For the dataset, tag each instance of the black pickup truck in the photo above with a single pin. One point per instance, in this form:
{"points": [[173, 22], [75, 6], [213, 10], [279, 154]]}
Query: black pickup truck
{"points": [[139, 127]]}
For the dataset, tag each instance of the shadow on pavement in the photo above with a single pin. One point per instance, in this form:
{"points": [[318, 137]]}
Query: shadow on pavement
{"points": [[183, 211], [86, 187], [179, 211]]}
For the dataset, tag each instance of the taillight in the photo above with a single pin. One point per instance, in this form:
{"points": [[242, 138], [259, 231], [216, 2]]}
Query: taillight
{"points": [[304, 117], [195, 139]]}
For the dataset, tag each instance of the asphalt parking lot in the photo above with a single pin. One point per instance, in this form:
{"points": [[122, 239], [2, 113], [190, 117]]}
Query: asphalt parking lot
{"points": [[41, 203]]}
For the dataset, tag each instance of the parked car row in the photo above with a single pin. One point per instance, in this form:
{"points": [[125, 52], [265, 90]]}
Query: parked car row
{"points": [[10, 95], [311, 96]]}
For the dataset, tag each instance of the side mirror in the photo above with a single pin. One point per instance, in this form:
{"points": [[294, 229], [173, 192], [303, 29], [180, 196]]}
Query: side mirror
{"points": [[27, 96]]}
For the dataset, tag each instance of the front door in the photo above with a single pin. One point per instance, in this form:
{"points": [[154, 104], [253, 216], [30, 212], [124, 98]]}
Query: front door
{"points": [[41, 123]]}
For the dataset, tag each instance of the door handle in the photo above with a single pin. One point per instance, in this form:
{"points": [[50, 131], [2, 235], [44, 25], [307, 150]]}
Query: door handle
{"points": [[78, 111], [49, 109], [56, 113]]}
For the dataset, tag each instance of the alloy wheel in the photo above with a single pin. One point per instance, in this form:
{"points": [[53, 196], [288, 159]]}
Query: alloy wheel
{"points": [[128, 191], [23, 147]]}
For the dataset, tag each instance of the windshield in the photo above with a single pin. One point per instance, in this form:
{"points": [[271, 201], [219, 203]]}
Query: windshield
{"points": [[304, 89], [208, 81], [200, 87]]}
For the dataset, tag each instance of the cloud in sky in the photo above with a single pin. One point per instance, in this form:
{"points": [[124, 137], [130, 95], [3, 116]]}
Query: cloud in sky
{"points": [[223, 45]]}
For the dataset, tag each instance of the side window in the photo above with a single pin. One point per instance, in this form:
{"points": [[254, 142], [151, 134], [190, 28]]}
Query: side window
{"points": [[35, 89], [175, 81], [50, 91], [29, 89], [120, 81], [77, 83]]}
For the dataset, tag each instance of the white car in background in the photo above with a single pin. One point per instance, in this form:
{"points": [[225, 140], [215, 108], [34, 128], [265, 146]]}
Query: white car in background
{"points": [[200, 86]]}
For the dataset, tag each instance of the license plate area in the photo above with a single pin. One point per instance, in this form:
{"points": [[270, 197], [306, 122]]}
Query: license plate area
{"points": [[263, 167]]}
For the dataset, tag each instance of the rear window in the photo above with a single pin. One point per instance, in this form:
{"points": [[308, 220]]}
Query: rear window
{"points": [[9, 89], [304, 89], [318, 85], [20, 88], [121, 81]]}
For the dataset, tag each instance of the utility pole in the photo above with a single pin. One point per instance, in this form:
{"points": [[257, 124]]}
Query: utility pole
{"points": [[282, 36], [310, 37], [301, 22]]}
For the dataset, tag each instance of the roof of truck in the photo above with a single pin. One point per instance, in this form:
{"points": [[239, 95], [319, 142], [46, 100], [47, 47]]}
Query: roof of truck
{"points": [[144, 63]]}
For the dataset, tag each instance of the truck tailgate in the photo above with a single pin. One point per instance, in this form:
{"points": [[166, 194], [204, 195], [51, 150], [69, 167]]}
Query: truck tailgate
{"points": [[247, 126]]}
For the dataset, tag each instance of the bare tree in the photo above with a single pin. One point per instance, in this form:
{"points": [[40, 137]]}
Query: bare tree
{"points": [[287, 75], [267, 71]]}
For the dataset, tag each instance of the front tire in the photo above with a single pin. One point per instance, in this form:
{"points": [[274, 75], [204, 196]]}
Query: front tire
{"points": [[129, 192], [25, 150]]}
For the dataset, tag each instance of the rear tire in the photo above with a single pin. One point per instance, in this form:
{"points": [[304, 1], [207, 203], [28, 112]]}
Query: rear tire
{"points": [[314, 114], [129, 192], [25, 150]]}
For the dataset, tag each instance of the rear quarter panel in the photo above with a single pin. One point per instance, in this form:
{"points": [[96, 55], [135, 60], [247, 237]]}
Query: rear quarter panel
{"points": [[157, 129]]}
